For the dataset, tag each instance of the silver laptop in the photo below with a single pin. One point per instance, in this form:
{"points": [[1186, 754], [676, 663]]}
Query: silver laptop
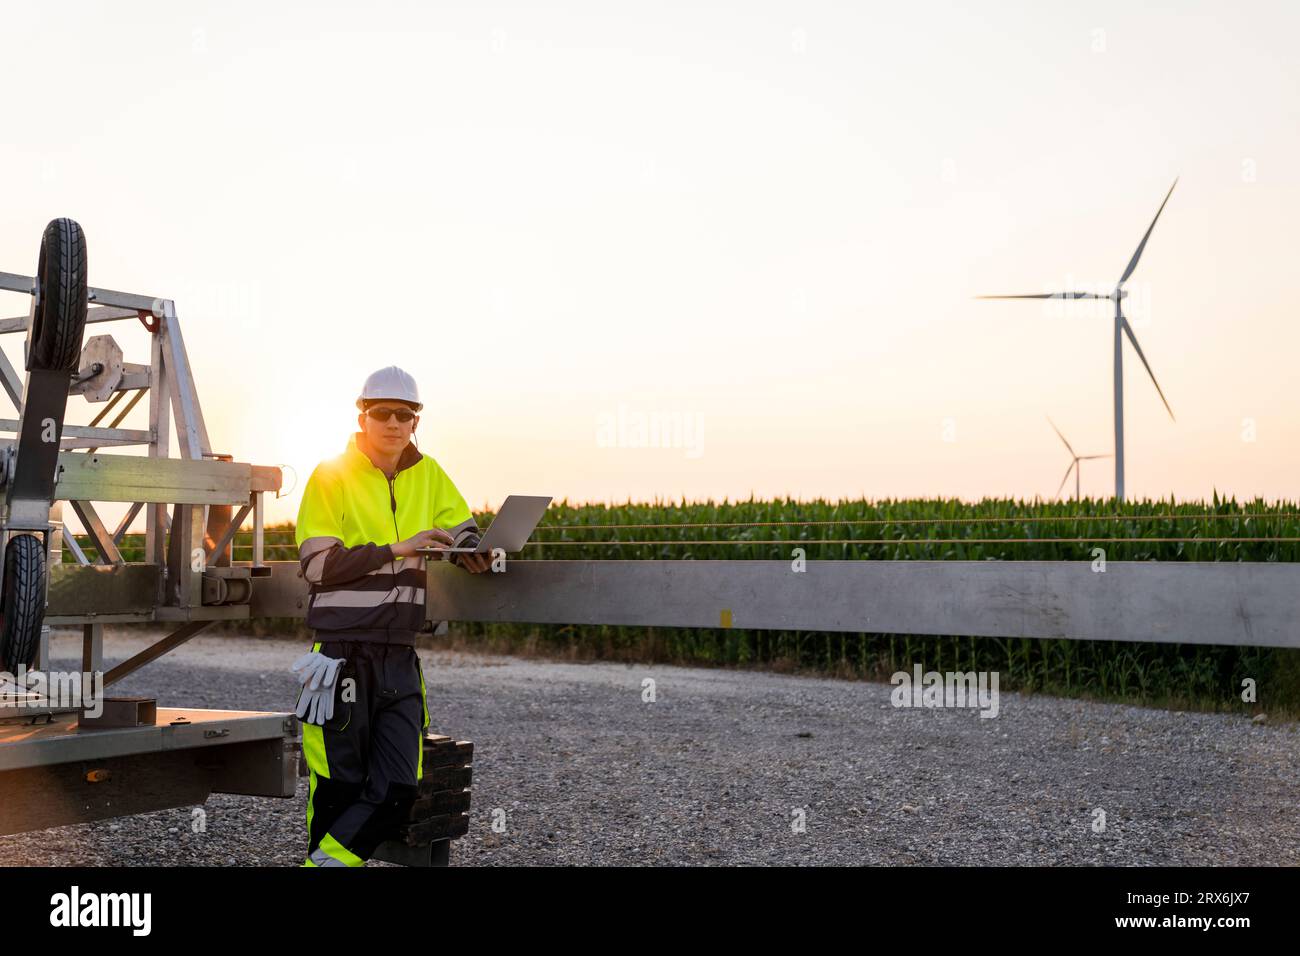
{"points": [[510, 528]]}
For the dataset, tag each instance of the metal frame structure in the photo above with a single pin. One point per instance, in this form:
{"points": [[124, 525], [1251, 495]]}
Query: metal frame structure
{"points": [[187, 576], [56, 767]]}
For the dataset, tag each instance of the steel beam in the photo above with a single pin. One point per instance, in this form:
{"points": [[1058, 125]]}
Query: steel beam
{"points": [[109, 477], [30, 489], [1238, 603], [126, 522], [191, 432], [12, 384], [185, 557], [92, 647], [99, 536], [97, 591], [63, 742], [226, 527], [123, 300], [75, 548], [154, 651], [160, 425], [18, 323], [131, 436]]}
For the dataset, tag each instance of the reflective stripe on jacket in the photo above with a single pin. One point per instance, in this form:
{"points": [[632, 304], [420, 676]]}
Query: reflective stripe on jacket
{"points": [[351, 514]]}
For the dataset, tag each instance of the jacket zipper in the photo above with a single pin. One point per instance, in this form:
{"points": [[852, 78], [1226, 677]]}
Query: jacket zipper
{"points": [[392, 497], [393, 500]]}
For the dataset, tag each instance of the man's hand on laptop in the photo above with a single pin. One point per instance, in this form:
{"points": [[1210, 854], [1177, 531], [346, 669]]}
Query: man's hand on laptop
{"points": [[424, 539], [471, 561]]}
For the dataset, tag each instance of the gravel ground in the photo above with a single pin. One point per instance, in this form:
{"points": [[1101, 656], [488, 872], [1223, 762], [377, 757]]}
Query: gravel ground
{"points": [[719, 768]]}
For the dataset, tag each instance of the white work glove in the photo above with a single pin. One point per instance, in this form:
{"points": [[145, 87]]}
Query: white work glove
{"points": [[317, 674]]}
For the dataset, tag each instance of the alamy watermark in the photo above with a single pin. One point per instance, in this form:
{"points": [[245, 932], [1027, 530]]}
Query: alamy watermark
{"points": [[53, 689], [950, 689], [75, 908], [632, 428]]}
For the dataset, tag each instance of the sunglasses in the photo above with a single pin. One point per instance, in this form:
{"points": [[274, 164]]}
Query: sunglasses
{"points": [[404, 415]]}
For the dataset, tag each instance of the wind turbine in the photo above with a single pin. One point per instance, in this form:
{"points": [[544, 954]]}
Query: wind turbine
{"points": [[1074, 464], [1122, 328]]}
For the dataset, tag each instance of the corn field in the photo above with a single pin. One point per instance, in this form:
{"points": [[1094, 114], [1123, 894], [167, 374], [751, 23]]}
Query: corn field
{"points": [[1194, 676]]}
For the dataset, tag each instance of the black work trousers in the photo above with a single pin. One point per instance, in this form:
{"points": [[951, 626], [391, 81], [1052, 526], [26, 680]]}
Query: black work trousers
{"points": [[366, 761]]}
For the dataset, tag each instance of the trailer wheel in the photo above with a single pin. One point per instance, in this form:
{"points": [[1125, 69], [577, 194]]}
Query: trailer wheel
{"points": [[22, 601], [60, 316]]}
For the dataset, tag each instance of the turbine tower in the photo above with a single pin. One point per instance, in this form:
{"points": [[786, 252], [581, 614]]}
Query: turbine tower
{"points": [[1122, 328], [1073, 464]]}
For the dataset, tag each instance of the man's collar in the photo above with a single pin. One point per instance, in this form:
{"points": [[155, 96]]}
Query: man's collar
{"points": [[410, 454]]}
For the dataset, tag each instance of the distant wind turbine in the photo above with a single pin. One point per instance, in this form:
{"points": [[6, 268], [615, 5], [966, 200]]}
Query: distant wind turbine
{"points": [[1122, 328], [1073, 464]]}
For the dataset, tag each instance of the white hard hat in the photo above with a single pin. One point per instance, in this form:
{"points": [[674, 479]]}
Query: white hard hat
{"points": [[390, 383]]}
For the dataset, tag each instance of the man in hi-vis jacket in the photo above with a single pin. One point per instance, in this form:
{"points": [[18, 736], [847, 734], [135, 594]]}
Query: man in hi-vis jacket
{"points": [[363, 515]]}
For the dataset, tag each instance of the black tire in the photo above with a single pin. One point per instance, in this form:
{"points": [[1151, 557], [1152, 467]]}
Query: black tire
{"points": [[61, 313], [22, 602]]}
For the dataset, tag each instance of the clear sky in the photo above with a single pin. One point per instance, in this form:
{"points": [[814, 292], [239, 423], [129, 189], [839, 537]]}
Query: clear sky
{"points": [[761, 223]]}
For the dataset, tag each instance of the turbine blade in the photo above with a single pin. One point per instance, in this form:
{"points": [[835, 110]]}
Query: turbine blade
{"points": [[1089, 457], [1128, 330], [1048, 295], [1059, 435], [1065, 479], [1143, 244]]}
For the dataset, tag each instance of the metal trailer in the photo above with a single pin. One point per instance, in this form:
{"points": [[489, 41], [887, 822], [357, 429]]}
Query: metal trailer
{"points": [[57, 764]]}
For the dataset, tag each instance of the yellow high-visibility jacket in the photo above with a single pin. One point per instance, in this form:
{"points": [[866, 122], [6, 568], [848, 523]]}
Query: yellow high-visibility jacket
{"points": [[351, 514]]}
